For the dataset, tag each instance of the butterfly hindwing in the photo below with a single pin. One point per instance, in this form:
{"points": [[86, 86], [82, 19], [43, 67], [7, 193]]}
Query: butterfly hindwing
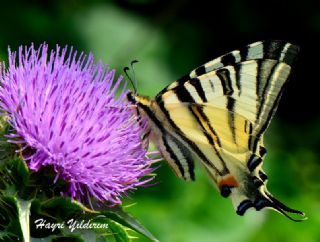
{"points": [[177, 155]]}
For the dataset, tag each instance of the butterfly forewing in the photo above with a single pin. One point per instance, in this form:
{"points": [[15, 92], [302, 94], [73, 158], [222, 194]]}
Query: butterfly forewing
{"points": [[272, 49]]}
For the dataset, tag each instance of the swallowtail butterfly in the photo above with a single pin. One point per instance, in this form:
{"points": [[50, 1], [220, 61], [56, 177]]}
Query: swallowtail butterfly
{"points": [[218, 113]]}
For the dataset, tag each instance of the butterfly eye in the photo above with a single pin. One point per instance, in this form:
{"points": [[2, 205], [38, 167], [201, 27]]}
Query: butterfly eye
{"points": [[130, 98]]}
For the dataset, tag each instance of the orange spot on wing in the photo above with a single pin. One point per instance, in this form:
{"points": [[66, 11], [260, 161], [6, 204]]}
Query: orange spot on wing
{"points": [[229, 181]]}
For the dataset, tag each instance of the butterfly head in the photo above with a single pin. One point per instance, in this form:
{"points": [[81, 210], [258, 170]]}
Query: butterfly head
{"points": [[138, 100], [131, 97]]}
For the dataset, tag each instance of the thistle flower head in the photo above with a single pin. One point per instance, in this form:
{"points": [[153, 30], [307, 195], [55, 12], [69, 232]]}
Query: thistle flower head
{"points": [[63, 107]]}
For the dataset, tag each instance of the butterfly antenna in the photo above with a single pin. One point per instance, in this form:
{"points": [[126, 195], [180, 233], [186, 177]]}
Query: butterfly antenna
{"points": [[134, 74], [126, 69]]}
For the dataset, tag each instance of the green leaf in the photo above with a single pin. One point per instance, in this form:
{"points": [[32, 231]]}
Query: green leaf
{"points": [[14, 179], [64, 208], [22, 171], [120, 216], [119, 233], [7, 236]]}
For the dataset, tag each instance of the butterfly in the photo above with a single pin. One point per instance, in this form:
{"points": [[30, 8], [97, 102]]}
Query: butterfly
{"points": [[218, 114]]}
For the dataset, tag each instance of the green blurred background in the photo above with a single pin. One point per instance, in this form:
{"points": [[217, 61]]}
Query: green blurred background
{"points": [[170, 38]]}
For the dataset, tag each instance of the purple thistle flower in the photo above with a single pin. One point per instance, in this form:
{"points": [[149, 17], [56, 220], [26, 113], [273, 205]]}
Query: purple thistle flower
{"points": [[64, 108]]}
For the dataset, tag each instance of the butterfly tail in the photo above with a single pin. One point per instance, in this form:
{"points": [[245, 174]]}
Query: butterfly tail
{"points": [[259, 199]]}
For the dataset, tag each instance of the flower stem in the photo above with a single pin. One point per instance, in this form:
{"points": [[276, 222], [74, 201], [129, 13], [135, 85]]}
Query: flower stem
{"points": [[24, 214]]}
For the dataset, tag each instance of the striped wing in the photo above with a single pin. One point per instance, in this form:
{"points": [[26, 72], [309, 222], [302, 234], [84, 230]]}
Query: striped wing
{"points": [[247, 82], [177, 155], [220, 112]]}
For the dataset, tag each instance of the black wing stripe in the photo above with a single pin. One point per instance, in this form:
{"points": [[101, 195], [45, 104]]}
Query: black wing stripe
{"points": [[169, 148], [183, 80], [266, 123], [195, 82], [231, 117], [253, 162], [224, 76], [263, 176], [211, 85], [280, 50], [205, 118], [265, 90], [179, 153], [265, 71], [262, 151], [197, 112], [273, 49], [181, 135], [179, 82], [200, 70], [244, 53], [237, 69], [228, 59], [258, 77], [183, 95], [289, 54], [248, 127]]}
